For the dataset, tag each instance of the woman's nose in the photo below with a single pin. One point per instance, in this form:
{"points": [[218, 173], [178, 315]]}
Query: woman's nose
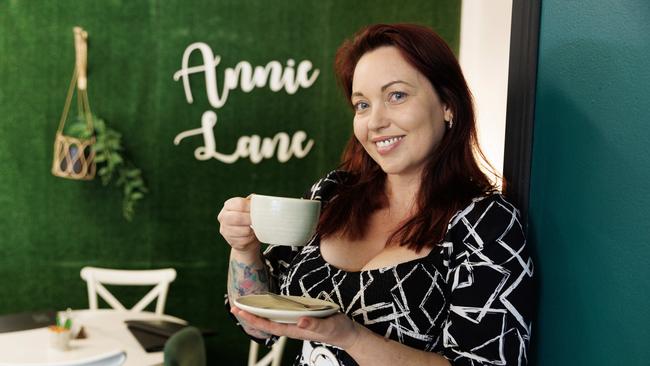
{"points": [[379, 117]]}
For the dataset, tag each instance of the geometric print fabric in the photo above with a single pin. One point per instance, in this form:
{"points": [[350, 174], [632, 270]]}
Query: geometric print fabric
{"points": [[470, 299]]}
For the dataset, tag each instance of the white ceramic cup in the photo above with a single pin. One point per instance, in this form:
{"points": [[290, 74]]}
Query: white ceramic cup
{"points": [[282, 220]]}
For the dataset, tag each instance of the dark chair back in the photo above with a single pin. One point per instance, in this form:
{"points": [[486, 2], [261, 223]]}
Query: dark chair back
{"points": [[185, 348]]}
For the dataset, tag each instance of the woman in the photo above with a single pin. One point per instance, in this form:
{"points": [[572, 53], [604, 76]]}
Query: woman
{"points": [[427, 262]]}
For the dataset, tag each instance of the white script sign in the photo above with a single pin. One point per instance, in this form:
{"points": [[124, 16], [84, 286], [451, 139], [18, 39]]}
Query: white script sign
{"points": [[245, 77]]}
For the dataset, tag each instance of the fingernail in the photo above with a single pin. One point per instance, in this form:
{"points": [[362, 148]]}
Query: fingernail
{"points": [[303, 323]]}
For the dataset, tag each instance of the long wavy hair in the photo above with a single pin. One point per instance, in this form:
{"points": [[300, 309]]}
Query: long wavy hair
{"points": [[451, 176]]}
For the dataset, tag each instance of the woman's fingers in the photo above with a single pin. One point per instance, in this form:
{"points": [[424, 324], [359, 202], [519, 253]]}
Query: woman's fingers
{"points": [[237, 204], [325, 326], [332, 330], [236, 231], [262, 324], [240, 218], [234, 217], [310, 324], [235, 223]]}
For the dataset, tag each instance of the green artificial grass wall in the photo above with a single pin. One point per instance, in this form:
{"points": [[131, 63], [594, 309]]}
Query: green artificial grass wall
{"points": [[51, 227]]}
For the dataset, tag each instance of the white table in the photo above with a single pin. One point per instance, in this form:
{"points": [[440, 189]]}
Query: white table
{"points": [[106, 334]]}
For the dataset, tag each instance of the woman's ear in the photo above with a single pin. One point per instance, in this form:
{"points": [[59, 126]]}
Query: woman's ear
{"points": [[448, 114]]}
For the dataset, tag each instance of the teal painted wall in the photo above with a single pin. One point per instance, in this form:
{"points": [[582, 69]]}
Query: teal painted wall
{"points": [[590, 197], [51, 227]]}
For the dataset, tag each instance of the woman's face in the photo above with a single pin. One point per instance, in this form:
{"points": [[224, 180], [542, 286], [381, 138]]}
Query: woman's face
{"points": [[399, 118]]}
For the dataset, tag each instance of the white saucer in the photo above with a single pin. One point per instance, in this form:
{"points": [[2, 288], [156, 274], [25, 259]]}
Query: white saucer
{"points": [[279, 311]]}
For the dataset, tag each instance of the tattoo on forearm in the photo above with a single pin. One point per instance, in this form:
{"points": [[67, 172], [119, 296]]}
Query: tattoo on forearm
{"points": [[246, 279]]}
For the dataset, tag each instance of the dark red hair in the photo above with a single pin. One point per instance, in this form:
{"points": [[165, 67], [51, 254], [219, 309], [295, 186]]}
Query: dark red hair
{"points": [[451, 177]]}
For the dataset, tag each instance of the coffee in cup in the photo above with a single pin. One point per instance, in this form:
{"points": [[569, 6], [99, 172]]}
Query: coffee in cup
{"points": [[283, 220]]}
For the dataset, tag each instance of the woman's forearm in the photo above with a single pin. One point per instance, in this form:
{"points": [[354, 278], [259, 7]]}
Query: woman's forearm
{"points": [[247, 274], [372, 349]]}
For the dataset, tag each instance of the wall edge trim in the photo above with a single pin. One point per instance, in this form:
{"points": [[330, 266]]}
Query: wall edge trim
{"points": [[520, 110]]}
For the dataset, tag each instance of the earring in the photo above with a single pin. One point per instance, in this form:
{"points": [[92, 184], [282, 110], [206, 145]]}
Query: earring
{"points": [[450, 123]]}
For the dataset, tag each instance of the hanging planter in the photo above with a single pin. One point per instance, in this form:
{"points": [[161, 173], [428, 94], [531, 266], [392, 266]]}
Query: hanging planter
{"points": [[87, 141], [74, 156]]}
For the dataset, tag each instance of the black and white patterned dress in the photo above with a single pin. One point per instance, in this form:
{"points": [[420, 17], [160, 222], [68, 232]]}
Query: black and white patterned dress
{"points": [[470, 299]]}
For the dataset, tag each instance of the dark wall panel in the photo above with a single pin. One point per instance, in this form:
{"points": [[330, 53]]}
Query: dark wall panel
{"points": [[589, 193]]}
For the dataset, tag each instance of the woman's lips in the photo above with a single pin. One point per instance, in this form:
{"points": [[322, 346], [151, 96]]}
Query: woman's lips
{"points": [[387, 145]]}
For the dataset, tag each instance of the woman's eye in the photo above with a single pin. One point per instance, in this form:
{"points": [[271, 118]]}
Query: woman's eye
{"points": [[396, 97], [360, 106]]}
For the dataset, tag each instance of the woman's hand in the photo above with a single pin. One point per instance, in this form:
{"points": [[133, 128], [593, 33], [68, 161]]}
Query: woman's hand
{"points": [[235, 225], [364, 346], [337, 330]]}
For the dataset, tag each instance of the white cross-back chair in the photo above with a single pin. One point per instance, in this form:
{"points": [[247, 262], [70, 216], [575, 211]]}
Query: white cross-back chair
{"points": [[96, 278], [273, 357]]}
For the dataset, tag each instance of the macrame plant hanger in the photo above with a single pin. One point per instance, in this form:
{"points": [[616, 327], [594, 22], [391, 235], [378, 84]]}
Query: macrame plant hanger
{"points": [[74, 157]]}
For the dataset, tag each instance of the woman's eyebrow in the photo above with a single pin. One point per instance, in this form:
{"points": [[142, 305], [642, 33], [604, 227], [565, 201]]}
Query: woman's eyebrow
{"points": [[383, 88], [395, 82]]}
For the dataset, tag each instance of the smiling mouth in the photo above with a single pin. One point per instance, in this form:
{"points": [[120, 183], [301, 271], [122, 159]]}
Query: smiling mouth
{"points": [[383, 144]]}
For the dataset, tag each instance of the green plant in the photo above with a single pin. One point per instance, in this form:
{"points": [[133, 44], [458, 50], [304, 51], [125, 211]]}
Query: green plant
{"points": [[111, 163]]}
